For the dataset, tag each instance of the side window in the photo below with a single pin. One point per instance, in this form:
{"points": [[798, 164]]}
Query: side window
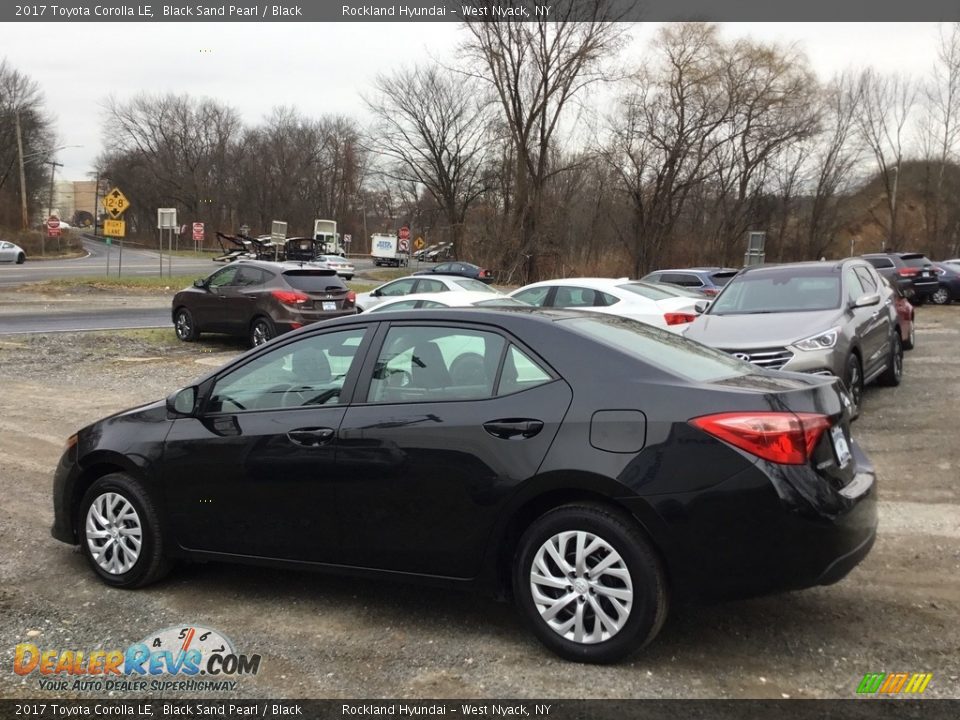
{"points": [[400, 287], [852, 282], [866, 279], [430, 286], [606, 299], [308, 372], [520, 373], [689, 281], [224, 277], [880, 262], [534, 296], [397, 305], [575, 297], [431, 304], [248, 276], [431, 364], [443, 268], [5, 246]]}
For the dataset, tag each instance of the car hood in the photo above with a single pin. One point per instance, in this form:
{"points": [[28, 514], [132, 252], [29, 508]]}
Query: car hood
{"points": [[760, 330]]}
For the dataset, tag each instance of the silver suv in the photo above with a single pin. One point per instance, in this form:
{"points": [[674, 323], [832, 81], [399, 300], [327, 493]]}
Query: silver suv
{"points": [[835, 318]]}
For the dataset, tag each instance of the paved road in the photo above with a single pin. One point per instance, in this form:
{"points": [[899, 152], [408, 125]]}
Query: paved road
{"points": [[82, 320], [135, 262]]}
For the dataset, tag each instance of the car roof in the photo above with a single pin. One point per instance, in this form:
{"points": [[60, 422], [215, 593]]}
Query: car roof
{"points": [[589, 282], [812, 265], [460, 298]]}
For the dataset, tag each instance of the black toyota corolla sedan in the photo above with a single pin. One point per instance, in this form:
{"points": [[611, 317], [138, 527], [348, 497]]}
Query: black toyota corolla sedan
{"points": [[593, 467]]}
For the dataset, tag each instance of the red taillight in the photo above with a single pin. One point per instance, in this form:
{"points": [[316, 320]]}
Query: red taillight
{"points": [[678, 318], [296, 326], [710, 292], [288, 297], [781, 437], [907, 271], [351, 297], [484, 273]]}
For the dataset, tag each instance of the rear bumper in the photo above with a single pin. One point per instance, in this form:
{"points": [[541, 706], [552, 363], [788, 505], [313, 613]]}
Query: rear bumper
{"points": [[768, 529]]}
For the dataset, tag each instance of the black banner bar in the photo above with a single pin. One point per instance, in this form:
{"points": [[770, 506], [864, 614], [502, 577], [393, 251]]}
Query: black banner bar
{"points": [[458, 11], [859, 709]]}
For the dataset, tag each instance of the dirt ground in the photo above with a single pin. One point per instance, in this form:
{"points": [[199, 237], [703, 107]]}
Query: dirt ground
{"points": [[328, 637]]}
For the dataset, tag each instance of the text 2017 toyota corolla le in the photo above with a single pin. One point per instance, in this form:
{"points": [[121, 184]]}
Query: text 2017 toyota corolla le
{"points": [[594, 467]]}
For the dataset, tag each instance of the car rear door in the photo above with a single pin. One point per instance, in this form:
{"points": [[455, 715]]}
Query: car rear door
{"points": [[449, 419]]}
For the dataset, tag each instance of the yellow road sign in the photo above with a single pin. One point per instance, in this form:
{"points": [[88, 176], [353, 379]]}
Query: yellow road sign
{"points": [[115, 202], [114, 228], [418, 243]]}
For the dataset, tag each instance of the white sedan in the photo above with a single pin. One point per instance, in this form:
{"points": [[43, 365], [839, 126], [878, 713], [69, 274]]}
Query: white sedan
{"points": [[335, 262], [421, 284], [11, 253], [454, 298], [628, 298]]}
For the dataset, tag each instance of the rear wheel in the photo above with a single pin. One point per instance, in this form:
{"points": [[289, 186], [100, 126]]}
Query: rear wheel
{"points": [[185, 326], [589, 584], [894, 373], [262, 330], [853, 377], [941, 296], [20, 258], [119, 532]]}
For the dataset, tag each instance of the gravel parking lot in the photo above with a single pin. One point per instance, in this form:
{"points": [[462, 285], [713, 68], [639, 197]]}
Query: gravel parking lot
{"points": [[328, 637]]}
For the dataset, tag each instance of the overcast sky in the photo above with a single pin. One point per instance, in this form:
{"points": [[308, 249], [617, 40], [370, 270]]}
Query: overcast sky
{"points": [[322, 68]]}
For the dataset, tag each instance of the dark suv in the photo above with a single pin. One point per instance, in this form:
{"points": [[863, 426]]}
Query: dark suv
{"points": [[259, 300], [913, 273]]}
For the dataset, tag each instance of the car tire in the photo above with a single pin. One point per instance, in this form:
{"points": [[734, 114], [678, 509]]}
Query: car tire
{"points": [[114, 512], [348, 277], [853, 378], [21, 258], [184, 325], [892, 376], [262, 330], [636, 576], [917, 300], [941, 296]]}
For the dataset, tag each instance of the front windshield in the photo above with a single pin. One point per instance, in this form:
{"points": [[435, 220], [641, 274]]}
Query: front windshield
{"points": [[780, 291]]}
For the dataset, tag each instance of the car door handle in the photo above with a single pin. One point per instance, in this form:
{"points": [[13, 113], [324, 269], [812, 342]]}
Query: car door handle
{"points": [[311, 437], [513, 427]]}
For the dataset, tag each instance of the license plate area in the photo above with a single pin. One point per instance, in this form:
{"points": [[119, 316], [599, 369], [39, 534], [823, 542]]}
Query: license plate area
{"points": [[328, 305], [840, 446]]}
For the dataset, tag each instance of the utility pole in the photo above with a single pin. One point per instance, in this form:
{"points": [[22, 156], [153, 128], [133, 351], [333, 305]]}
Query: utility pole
{"points": [[53, 173], [24, 217]]}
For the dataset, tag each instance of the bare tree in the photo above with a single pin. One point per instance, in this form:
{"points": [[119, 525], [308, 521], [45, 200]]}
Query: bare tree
{"points": [[536, 68], [886, 105], [433, 130]]}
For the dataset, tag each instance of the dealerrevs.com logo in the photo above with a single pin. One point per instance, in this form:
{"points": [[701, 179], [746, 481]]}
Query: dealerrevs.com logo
{"points": [[189, 659]]}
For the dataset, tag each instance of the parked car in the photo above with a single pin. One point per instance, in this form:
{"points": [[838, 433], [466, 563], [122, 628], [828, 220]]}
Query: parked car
{"points": [[11, 253], [626, 298], [454, 298], [709, 281], [954, 261], [913, 271], [949, 289], [344, 268], [905, 312], [831, 318], [259, 300], [459, 268], [413, 284], [600, 468]]}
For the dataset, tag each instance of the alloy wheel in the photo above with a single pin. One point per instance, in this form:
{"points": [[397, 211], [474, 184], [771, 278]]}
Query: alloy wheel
{"points": [[183, 325], [941, 296], [581, 587], [261, 333], [114, 533]]}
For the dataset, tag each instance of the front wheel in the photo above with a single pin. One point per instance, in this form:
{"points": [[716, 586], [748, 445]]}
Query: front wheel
{"points": [[941, 296], [892, 376], [119, 532], [853, 377], [185, 326], [262, 331], [21, 258], [589, 584]]}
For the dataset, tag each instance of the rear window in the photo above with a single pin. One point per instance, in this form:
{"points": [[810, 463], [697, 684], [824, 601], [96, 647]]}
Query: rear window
{"points": [[475, 285], [722, 278], [880, 262], [668, 352], [915, 260], [648, 291], [312, 281]]}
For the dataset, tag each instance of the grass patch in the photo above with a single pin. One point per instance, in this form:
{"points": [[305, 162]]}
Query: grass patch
{"points": [[149, 283], [164, 338], [383, 275]]}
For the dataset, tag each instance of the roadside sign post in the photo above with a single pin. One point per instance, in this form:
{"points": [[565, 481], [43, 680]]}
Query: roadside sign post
{"points": [[755, 254], [53, 230], [115, 203], [198, 236], [114, 229], [278, 234], [167, 220]]}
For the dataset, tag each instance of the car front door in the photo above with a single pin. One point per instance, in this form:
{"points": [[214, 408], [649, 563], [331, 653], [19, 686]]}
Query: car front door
{"points": [[451, 420], [208, 307], [255, 472], [883, 318], [6, 252], [870, 323]]}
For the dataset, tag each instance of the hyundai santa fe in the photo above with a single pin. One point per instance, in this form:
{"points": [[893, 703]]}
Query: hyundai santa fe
{"points": [[482, 449]]}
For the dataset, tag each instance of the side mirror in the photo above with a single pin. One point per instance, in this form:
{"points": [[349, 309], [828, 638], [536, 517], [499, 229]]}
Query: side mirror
{"points": [[867, 300], [200, 283], [183, 402], [701, 306]]}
